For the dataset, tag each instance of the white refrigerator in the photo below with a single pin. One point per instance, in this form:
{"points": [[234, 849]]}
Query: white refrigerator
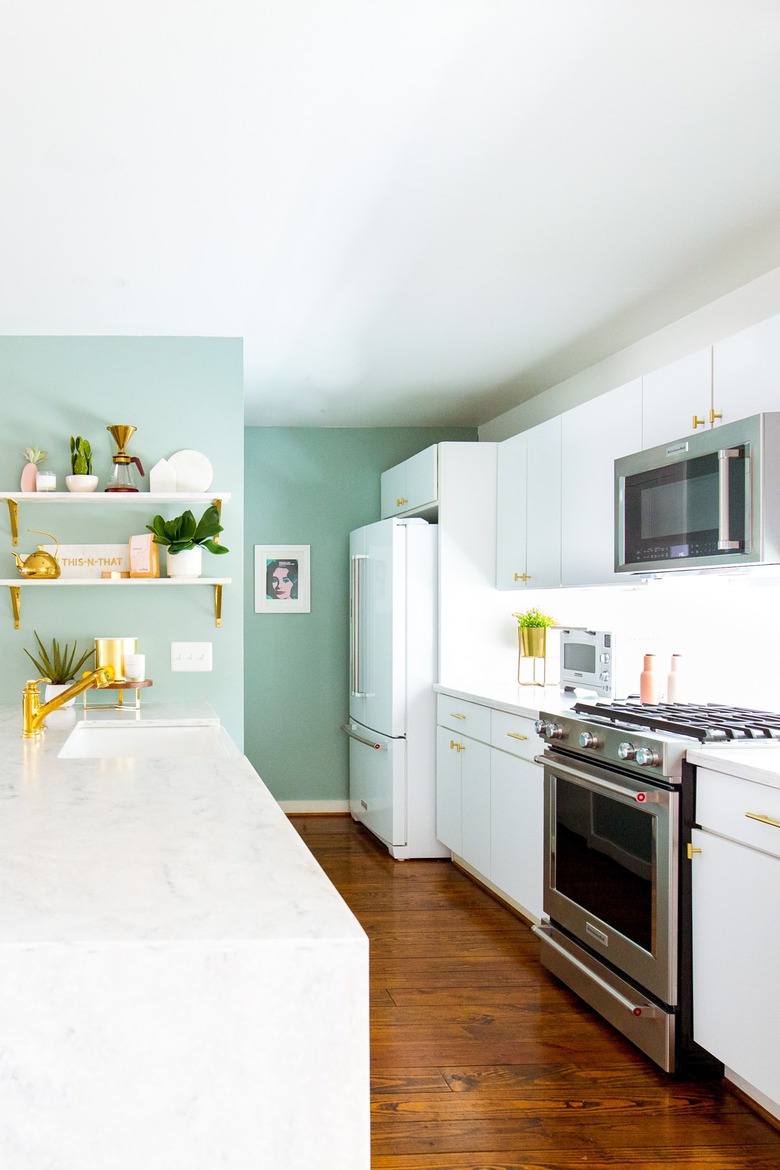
{"points": [[393, 665]]}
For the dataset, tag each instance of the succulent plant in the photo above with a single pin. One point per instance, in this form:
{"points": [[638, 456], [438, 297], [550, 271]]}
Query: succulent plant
{"points": [[59, 664], [80, 456], [34, 455]]}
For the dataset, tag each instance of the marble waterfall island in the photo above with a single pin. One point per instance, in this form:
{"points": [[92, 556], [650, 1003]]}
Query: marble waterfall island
{"points": [[180, 984]]}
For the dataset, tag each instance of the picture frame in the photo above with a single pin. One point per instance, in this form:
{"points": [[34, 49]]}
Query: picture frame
{"points": [[282, 578]]}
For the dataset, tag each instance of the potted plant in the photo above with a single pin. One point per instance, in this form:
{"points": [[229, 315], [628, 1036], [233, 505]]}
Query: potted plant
{"points": [[82, 479], [34, 456], [58, 664], [532, 626], [185, 540]]}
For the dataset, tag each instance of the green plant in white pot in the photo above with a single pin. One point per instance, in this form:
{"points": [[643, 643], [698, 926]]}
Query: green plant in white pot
{"points": [[185, 538], [81, 479]]}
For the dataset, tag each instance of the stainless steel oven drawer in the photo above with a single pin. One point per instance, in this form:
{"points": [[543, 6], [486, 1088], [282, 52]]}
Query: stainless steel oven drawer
{"points": [[650, 1027]]}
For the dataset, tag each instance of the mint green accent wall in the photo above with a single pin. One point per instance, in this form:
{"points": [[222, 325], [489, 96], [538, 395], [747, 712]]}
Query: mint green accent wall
{"points": [[310, 486], [180, 393]]}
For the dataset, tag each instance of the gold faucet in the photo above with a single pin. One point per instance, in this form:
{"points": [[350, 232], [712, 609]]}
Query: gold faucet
{"points": [[34, 712]]}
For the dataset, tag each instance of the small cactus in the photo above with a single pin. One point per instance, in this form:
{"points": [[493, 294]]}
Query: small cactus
{"points": [[80, 456]]}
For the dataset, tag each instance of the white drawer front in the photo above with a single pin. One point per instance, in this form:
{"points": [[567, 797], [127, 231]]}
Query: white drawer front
{"points": [[515, 734], [734, 807], [467, 718]]}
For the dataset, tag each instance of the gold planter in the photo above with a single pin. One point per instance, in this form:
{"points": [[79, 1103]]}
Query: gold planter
{"points": [[532, 643]]}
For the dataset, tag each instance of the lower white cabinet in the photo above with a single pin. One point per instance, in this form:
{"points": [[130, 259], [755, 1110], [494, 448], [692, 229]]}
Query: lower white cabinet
{"points": [[736, 943], [489, 793]]}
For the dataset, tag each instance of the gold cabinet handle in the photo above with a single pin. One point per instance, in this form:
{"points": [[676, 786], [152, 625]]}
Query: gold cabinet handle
{"points": [[714, 415], [516, 735], [763, 818], [400, 503], [697, 422], [691, 850], [455, 715], [522, 577], [458, 747]]}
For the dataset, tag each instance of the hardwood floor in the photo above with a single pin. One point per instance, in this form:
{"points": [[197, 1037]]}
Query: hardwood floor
{"points": [[481, 1060]]}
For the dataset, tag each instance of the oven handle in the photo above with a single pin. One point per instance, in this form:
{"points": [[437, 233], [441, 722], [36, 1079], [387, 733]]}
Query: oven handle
{"points": [[657, 796], [644, 1011]]}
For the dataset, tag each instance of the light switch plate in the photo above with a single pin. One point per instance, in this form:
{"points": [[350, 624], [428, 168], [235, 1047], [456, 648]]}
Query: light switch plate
{"points": [[190, 655]]}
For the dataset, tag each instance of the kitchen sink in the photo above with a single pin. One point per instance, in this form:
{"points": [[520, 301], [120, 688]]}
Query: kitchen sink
{"points": [[96, 741]]}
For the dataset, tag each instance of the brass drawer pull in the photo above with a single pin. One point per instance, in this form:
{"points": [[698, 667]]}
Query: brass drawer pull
{"points": [[516, 735], [400, 503], [765, 820], [455, 715], [458, 747]]}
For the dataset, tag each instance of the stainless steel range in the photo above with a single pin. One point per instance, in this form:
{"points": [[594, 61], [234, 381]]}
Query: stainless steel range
{"points": [[619, 805]]}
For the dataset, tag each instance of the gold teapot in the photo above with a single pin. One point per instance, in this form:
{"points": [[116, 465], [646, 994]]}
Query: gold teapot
{"points": [[40, 564]]}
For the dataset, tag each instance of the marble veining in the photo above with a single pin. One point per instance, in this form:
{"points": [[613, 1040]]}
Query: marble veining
{"points": [[181, 984]]}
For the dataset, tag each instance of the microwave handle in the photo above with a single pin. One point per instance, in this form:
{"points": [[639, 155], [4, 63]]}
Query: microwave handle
{"points": [[724, 536]]}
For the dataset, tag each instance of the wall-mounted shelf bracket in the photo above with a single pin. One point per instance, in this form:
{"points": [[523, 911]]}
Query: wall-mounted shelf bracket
{"points": [[13, 515], [217, 605], [16, 603]]}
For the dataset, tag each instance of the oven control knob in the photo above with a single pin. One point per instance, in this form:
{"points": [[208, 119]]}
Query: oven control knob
{"points": [[549, 730], [540, 727], [589, 739], [647, 758], [626, 751]]}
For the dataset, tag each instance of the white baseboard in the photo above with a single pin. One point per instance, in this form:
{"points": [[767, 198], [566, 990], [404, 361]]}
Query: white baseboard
{"points": [[321, 807]]}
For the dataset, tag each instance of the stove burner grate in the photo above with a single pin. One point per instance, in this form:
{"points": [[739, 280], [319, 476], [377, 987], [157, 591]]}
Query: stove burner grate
{"points": [[707, 722]]}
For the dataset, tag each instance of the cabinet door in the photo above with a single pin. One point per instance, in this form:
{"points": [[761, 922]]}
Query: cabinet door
{"points": [[745, 372], [736, 955], [421, 479], [676, 399], [448, 789], [517, 830], [392, 490], [512, 467], [593, 436], [543, 505], [475, 804]]}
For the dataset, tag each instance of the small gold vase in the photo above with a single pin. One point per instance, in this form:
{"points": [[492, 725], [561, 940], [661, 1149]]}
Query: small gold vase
{"points": [[532, 643]]}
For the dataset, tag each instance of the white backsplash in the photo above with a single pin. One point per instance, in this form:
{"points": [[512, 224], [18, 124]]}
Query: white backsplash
{"points": [[726, 627]]}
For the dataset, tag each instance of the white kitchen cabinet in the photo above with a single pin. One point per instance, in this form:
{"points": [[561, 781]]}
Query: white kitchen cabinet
{"points": [[593, 435], [490, 809], [676, 400], [516, 812], [736, 944], [411, 487], [746, 372], [528, 505]]}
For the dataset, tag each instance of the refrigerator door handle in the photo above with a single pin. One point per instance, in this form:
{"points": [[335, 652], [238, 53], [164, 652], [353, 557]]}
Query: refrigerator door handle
{"points": [[379, 747], [354, 666]]}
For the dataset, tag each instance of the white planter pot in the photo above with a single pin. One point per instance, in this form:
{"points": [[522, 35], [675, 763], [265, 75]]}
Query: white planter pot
{"points": [[188, 563], [81, 483], [52, 689]]}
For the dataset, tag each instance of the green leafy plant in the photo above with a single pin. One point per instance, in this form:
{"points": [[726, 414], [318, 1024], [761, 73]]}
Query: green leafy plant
{"points": [[58, 664], [80, 456], [534, 618], [183, 532], [34, 455]]}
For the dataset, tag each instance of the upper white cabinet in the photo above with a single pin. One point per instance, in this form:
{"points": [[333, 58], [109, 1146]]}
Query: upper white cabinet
{"points": [[676, 400], [528, 548], [411, 486], [746, 372], [593, 435]]}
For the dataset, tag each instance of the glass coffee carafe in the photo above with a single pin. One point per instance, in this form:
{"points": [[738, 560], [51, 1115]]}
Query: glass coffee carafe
{"points": [[122, 475]]}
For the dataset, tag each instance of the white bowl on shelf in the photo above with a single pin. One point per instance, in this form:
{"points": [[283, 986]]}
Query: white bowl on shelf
{"points": [[81, 483]]}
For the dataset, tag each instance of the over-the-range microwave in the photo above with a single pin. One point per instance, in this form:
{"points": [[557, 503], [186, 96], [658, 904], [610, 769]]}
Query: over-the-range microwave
{"points": [[710, 499]]}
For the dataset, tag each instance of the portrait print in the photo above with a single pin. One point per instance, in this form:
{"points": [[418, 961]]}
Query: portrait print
{"points": [[282, 579]]}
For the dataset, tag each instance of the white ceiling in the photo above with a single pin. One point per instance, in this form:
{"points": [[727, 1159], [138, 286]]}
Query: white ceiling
{"points": [[413, 211]]}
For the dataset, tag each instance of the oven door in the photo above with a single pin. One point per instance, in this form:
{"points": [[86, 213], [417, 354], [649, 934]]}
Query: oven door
{"points": [[611, 868]]}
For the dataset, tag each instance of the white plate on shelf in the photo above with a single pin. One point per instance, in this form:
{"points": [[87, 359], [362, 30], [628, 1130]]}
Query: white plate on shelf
{"points": [[194, 473]]}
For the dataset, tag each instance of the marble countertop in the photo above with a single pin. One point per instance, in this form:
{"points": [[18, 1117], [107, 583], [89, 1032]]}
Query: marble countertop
{"points": [[155, 850], [510, 696], [757, 760]]}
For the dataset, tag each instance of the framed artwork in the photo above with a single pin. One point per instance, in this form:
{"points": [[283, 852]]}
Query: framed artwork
{"points": [[282, 578]]}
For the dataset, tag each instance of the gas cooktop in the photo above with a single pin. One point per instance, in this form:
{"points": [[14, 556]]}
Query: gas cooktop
{"points": [[707, 722]]}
